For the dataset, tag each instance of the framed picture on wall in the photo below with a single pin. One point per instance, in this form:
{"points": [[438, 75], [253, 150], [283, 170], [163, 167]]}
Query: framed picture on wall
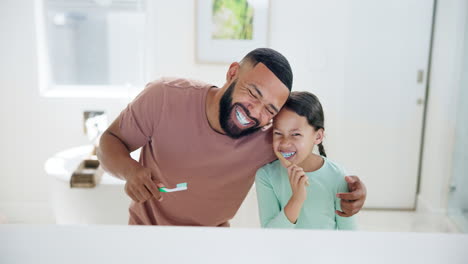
{"points": [[229, 29]]}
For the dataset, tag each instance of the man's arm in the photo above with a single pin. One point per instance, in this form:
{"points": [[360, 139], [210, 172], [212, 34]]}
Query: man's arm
{"points": [[343, 223], [114, 155], [353, 201]]}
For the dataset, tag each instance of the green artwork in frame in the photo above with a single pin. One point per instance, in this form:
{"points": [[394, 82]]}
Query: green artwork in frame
{"points": [[228, 29]]}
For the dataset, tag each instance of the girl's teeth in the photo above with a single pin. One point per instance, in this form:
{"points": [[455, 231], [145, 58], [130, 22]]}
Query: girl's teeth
{"points": [[287, 154]]}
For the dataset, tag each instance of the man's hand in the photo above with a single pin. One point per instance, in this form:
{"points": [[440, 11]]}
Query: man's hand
{"points": [[140, 187], [352, 202]]}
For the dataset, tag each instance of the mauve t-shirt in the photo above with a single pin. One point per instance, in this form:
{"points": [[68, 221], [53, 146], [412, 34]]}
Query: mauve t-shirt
{"points": [[168, 119]]}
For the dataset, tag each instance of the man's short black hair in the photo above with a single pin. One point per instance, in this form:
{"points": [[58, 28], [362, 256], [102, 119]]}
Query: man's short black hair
{"points": [[274, 61]]}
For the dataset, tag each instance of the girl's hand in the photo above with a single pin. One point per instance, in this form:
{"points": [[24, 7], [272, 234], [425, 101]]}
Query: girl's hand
{"points": [[298, 181]]}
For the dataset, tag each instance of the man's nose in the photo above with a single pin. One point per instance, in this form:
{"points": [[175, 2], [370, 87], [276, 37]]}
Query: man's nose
{"points": [[255, 110]]}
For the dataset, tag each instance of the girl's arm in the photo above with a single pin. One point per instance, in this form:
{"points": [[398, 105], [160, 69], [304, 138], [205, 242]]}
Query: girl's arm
{"points": [[298, 181], [269, 208]]}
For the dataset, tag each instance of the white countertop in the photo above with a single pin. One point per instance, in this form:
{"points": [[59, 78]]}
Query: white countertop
{"points": [[142, 244]]}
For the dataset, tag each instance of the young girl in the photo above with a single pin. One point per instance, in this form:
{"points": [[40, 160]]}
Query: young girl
{"points": [[300, 190]]}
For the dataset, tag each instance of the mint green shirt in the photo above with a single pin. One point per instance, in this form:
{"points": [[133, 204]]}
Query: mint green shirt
{"points": [[318, 210]]}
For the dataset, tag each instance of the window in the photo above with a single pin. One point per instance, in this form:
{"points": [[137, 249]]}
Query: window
{"points": [[91, 47]]}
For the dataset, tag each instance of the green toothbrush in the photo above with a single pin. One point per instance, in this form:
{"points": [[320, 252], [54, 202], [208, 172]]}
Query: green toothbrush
{"points": [[179, 187]]}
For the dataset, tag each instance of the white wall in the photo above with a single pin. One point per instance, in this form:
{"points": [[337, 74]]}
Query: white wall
{"points": [[444, 91], [34, 128], [460, 165], [458, 196]]}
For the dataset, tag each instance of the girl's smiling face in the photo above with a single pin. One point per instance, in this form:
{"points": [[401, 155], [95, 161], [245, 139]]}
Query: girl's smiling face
{"points": [[293, 137]]}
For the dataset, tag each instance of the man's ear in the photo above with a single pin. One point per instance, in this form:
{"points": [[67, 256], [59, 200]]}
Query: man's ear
{"points": [[319, 136], [267, 126], [233, 71]]}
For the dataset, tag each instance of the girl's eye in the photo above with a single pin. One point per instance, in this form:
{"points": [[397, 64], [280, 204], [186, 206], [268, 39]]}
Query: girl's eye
{"points": [[276, 133], [296, 134], [250, 93]]}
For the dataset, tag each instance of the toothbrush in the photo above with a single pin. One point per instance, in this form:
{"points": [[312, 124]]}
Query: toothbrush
{"points": [[286, 162], [179, 187]]}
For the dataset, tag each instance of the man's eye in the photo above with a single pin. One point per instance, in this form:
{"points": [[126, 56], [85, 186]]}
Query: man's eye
{"points": [[296, 134], [277, 133], [267, 112], [251, 94]]}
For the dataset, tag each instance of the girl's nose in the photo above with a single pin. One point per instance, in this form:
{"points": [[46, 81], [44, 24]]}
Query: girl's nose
{"points": [[285, 142]]}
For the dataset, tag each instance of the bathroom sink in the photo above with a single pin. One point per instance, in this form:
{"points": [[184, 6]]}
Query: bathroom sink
{"points": [[106, 203]]}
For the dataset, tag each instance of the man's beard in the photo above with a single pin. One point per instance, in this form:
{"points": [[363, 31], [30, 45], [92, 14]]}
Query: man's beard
{"points": [[225, 116]]}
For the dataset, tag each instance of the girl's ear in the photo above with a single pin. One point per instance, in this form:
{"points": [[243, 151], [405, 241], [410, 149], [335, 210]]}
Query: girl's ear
{"points": [[319, 136], [233, 71]]}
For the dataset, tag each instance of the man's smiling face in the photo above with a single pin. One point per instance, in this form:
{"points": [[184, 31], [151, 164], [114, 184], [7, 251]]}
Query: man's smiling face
{"points": [[251, 101]]}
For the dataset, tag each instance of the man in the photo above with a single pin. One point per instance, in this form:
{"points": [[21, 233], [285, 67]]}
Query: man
{"points": [[213, 139]]}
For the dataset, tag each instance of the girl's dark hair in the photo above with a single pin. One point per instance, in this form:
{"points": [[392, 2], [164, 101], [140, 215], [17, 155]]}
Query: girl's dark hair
{"points": [[308, 105]]}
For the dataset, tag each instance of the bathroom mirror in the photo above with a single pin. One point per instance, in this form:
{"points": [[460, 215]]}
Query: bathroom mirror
{"points": [[388, 73]]}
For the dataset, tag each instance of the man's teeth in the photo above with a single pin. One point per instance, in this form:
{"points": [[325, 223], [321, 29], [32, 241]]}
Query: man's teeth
{"points": [[242, 119], [288, 154]]}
